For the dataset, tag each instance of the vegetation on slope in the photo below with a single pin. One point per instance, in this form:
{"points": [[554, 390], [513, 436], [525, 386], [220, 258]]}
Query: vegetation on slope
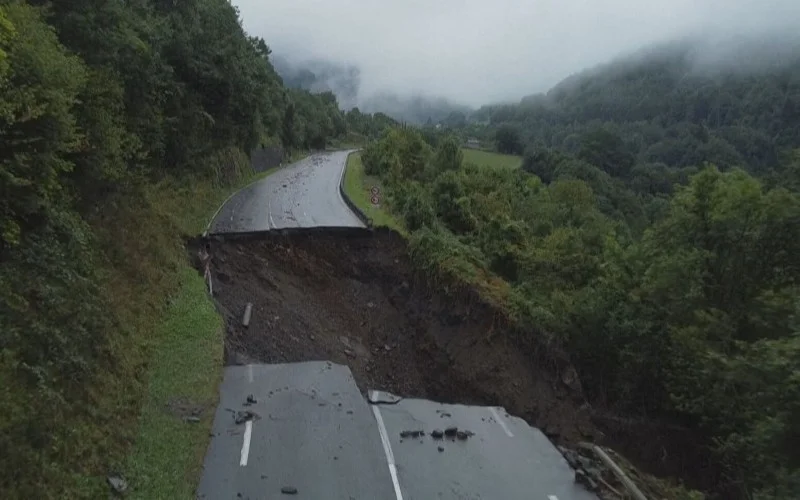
{"points": [[676, 298], [123, 124], [358, 187]]}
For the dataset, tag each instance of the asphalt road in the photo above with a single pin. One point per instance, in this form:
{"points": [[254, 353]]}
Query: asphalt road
{"points": [[314, 433], [504, 459], [304, 194]]}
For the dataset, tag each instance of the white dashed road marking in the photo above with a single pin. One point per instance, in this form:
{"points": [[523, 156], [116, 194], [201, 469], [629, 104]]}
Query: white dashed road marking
{"points": [[248, 433], [502, 422], [387, 448]]}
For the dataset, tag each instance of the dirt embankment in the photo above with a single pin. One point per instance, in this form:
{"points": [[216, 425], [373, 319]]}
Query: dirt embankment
{"points": [[352, 297]]}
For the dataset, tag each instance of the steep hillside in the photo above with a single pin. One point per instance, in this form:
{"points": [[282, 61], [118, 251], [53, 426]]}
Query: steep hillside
{"points": [[679, 104], [123, 125]]}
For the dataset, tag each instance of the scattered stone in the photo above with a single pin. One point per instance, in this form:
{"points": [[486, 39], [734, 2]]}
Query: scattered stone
{"points": [[370, 305], [336, 458], [118, 484], [192, 420], [349, 412], [441, 449], [349, 353], [464, 435], [387, 347], [243, 416], [312, 337], [251, 400], [437, 434], [289, 490], [451, 431], [444, 414]]}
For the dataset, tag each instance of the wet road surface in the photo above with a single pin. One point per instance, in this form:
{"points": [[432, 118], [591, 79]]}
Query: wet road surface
{"points": [[313, 435], [313, 432], [498, 457], [304, 194]]}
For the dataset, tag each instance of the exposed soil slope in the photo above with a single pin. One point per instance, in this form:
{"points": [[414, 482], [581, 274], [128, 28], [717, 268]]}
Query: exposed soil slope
{"points": [[351, 296]]}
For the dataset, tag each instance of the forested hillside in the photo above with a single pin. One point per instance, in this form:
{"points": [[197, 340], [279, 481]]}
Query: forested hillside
{"points": [[673, 283], [119, 122], [669, 108]]}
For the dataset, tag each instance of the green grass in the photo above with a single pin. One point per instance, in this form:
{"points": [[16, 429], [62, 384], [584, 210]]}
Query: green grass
{"points": [[357, 186], [490, 159], [185, 358], [167, 457]]}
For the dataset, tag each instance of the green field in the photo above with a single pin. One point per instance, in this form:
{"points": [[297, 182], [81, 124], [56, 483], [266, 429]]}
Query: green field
{"points": [[357, 186], [489, 159]]}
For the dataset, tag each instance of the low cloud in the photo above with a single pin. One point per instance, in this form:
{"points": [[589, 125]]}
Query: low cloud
{"points": [[474, 51]]}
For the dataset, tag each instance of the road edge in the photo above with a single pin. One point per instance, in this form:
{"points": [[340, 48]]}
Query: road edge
{"points": [[353, 207]]}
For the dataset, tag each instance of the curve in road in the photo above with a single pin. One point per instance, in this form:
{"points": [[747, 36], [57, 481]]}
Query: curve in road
{"points": [[304, 194]]}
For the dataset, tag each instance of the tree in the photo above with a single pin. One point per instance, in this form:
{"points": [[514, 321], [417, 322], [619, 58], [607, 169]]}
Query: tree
{"points": [[508, 141], [606, 150], [39, 88]]}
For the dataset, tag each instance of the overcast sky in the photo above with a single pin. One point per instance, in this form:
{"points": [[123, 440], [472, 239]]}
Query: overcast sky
{"points": [[480, 51]]}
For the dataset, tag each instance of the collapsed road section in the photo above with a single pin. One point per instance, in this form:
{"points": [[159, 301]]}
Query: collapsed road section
{"points": [[351, 296], [334, 313]]}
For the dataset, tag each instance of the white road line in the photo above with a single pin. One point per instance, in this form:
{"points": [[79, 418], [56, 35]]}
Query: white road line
{"points": [[387, 449], [271, 223], [248, 433], [250, 373], [502, 422]]}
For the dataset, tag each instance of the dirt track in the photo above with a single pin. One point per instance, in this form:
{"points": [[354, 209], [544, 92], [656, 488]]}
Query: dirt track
{"points": [[350, 296]]}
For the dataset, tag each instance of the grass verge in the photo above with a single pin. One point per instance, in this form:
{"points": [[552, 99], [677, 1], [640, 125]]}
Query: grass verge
{"points": [[357, 186], [490, 159], [184, 376], [185, 351]]}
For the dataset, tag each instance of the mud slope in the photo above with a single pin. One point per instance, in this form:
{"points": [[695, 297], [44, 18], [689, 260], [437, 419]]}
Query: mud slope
{"points": [[351, 296]]}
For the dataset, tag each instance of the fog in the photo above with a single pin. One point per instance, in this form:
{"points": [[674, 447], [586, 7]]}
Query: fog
{"points": [[477, 51]]}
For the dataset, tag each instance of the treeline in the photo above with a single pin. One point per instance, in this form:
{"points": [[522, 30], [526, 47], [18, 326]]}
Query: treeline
{"points": [[669, 108], [677, 298], [116, 118]]}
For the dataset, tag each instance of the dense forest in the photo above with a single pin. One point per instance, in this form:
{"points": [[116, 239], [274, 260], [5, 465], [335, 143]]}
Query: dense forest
{"points": [[118, 118], [653, 231]]}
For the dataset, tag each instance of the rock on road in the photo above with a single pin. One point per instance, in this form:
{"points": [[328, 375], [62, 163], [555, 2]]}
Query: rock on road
{"points": [[304, 194]]}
